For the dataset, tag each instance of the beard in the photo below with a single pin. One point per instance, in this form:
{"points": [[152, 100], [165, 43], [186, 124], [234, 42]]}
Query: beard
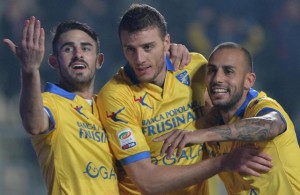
{"points": [[231, 103]]}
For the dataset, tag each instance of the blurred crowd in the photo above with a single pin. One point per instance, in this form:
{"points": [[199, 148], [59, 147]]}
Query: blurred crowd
{"points": [[270, 29]]}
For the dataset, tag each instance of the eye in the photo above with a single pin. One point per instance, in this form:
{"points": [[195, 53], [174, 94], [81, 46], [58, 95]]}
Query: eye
{"points": [[211, 70], [130, 49], [68, 49], [148, 47], [228, 71], [86, 49]]}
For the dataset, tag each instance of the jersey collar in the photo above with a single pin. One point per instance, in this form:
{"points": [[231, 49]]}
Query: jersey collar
{"points": [[251, 95], [240, 112], [128, 70], [52, 88]]}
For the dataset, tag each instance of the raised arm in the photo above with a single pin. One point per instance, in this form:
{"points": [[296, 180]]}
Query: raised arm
{"points": [[265, 126], [30, 52], [154, 179]]}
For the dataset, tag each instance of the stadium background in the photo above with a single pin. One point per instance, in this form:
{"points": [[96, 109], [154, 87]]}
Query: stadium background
{"points": [[270, 29]]}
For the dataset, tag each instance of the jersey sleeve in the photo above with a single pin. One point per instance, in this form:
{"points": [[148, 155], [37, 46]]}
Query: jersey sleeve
{"points": [[122, 122], [264, 104], [198, 74]]}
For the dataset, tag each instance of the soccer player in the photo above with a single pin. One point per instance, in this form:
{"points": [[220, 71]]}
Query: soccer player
{"points": [[69, 140], [147, 98], [247, 116]]}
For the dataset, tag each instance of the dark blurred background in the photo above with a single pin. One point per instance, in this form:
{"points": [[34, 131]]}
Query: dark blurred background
{"points": [[270, 29]]}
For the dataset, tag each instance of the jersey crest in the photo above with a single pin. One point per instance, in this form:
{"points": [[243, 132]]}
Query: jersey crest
{"points": [[184, 78]]}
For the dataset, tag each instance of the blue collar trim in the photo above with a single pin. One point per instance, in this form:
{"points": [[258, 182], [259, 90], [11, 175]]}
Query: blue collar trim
{"points": [[52, 88], [250, 96]]}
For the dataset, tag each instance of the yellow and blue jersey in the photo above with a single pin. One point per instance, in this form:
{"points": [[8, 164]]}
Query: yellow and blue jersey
{"points": [[74, 154], [284, 177], [135, 113]]}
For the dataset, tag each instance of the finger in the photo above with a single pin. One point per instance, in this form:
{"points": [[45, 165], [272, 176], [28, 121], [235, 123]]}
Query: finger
{"points": [[166, 145], [42, 39], [36, 33], [11, 45], [257, 154], [261, 167], [186, 59], [264, 156], [176, 139], [163, 137], [180, 147], [24, 34], [249, 171], [174, 55], [30, 32], [261, 162]]}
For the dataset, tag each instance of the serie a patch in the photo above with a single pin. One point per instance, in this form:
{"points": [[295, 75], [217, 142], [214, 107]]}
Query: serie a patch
{"points": [[126, 139]]}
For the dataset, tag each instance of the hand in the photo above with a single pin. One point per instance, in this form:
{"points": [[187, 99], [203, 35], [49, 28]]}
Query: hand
{"points": [[247, 160], [179, 55], [31, 49], [177, 138]]}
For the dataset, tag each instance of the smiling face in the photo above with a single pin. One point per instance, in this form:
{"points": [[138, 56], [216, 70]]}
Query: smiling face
{"points": [[228, 78], [77, 58], [145, 51]]}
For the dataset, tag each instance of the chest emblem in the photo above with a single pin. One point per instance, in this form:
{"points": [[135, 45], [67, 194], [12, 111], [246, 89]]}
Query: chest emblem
{"points": [[184, 78]]}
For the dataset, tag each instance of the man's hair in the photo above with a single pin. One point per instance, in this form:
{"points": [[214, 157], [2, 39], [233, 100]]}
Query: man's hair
{"points": [[140, 17], [73, 25], [232, 45]]}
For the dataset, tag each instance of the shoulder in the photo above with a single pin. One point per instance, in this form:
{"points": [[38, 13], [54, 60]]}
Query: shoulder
{"points": [[197, 57]]}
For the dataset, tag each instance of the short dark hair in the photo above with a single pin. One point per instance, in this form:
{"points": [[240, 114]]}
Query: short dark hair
{"points": [[73, 25], [232, 45], [142, 16]]}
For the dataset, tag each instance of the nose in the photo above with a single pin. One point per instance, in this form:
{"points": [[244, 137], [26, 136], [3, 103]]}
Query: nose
{"points": [[217, 78], [140, 56], [78, 54]]}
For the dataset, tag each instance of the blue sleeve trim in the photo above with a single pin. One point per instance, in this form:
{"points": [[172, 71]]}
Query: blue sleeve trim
{"points": [[270, 110], [134, 158], [51, 119]]}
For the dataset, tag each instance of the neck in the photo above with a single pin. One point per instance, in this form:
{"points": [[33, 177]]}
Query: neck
{"points": [[86, 91], [228, 112]]}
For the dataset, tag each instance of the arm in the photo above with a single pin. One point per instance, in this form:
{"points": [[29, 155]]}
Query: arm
{"points": [[179, 55], [153, 179], [30, 53], [265, 126]]}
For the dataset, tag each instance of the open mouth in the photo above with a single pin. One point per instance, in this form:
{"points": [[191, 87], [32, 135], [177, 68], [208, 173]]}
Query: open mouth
{"points": [[79, 65], [219, 91]]}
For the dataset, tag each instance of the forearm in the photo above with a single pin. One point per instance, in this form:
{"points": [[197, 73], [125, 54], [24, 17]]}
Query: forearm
{"points": [[160, 179], [250, 129], [31, 104]]}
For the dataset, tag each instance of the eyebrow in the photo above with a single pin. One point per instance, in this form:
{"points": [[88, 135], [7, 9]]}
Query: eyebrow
{"points": [[72, 44], [142, 45]]}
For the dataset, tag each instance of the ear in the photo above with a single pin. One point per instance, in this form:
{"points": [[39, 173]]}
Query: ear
{"points": [[52, 61], [249, 80], [167, 42], [100, 60]]}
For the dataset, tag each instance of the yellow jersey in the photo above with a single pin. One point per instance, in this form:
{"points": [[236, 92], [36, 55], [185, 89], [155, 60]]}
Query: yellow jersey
{"points": [[135, 113], [284, 177], [74, 154]]}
